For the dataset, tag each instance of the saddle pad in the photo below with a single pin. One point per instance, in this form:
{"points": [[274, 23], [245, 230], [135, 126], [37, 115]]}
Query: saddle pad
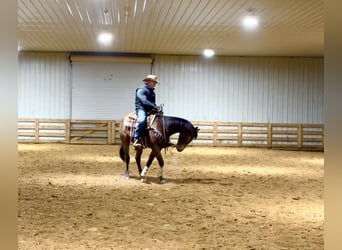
{"points": [[131, 120], [131, 124]]}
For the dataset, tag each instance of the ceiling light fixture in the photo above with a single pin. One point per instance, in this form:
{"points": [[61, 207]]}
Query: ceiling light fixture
{"points": [[250, 22], [208, 53], [105, 38]]}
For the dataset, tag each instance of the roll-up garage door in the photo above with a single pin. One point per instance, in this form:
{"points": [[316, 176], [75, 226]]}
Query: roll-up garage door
{"points": [[103, 88]]}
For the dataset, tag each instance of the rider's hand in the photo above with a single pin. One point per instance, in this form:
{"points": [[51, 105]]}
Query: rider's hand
{"points": [[159, 109]]}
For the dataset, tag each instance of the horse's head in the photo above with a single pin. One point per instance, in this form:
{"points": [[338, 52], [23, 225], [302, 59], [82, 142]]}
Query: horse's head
{"points": [[185, 137]]}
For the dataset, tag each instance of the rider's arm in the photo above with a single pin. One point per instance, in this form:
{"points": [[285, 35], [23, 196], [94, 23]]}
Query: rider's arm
{"points": [[143, 98]]}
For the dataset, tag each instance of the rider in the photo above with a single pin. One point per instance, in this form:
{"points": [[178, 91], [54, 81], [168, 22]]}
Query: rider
{"points": [[145, 101]]}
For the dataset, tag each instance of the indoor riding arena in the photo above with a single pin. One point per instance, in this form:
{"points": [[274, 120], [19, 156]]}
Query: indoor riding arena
{"points": [[246, 101]]}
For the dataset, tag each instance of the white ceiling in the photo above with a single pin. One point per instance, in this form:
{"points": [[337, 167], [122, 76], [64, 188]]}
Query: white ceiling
{"points": [[287, 27]]}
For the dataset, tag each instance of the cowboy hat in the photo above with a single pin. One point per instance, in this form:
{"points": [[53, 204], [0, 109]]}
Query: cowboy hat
{"points": [[151, 78]]}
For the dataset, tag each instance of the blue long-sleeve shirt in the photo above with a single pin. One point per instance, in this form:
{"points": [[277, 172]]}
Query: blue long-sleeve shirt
{"points": [[145, 98]]}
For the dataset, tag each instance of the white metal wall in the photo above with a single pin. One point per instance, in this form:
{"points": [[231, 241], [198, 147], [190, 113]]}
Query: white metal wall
{"points": [[43, 85], [235, 89], [241, 89]]}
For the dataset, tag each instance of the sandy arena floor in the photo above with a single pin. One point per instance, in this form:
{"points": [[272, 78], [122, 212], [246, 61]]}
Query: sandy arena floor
{"points": [[76, 197]]}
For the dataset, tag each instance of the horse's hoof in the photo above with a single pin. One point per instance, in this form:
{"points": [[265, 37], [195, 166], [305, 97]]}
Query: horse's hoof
{"points": [[126, 176], [143, 179], [161, 181]]}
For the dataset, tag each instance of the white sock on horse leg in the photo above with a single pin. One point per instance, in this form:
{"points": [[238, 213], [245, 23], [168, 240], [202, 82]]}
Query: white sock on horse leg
{"points": [[144, 171]]}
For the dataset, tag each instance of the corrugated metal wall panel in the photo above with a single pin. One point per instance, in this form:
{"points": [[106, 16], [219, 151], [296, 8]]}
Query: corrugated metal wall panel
{"points": [[236, 89], [43, 85], [241, 89]]}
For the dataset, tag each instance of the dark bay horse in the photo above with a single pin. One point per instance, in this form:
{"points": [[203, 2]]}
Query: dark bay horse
{"points": [[157, 137]]}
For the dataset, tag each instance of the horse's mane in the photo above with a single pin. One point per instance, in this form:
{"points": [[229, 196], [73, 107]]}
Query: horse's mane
{"points": [[183, 123]]}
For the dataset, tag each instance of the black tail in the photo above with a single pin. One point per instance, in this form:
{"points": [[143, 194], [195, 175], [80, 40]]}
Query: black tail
{"points": [[122, 153]]}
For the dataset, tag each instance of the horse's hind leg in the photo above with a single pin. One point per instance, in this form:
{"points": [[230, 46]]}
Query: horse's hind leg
{"points": [[124, 155], [127, 160], [161, 165]]}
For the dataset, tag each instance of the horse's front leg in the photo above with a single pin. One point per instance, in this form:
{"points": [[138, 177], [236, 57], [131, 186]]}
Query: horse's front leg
{"points": [[138, 154], [161, 165], [148, 164]]}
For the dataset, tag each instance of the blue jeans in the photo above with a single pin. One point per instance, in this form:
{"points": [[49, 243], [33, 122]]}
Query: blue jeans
{"points": [[139, 131]]}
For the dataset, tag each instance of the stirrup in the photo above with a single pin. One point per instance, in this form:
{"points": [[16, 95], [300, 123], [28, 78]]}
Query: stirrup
{"points": [[137, 144]]}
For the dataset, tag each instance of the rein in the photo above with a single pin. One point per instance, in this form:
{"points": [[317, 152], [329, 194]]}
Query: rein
{"points": [[156, 132], [163, 123], [164, 131]]}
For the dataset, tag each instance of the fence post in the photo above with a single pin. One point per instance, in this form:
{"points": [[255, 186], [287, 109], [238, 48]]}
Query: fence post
{"points": [[240, 134], [115, 123], [36, 131], [215, 134], [269, 135], [323, 136], [109, 132], [299, 136], [67, 131]]}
